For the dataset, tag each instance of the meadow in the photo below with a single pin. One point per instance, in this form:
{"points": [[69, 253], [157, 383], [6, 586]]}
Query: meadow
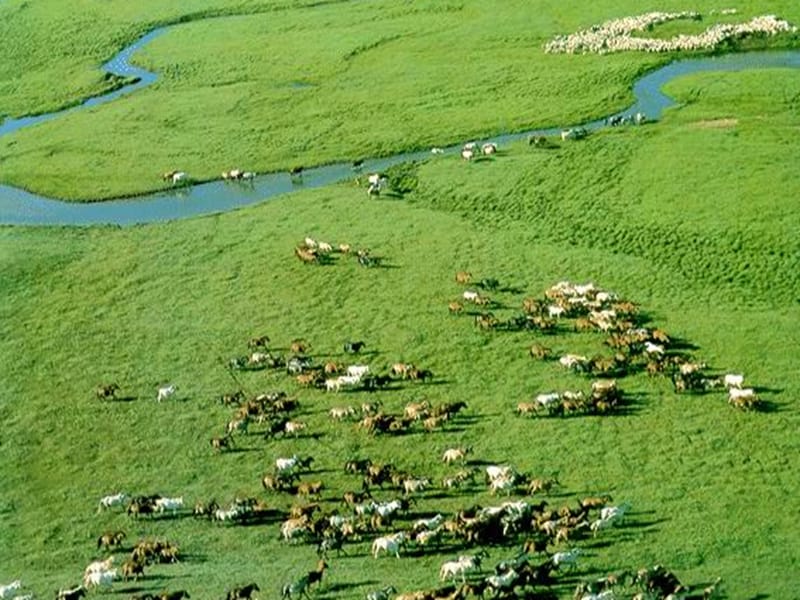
{"points": [[691, 217], [362, 79]]}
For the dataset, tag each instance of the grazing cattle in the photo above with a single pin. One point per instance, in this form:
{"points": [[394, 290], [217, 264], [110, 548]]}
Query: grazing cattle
{"points": [[462, 566], [110, 539], [489, 148], [419, 374], [463, 277], [299, 347], [131, 568], [357, 370], [244, 592], [75, 593], [338, 413], [731, 380], [390, 544], [309, 488], [614, 513], [99, 566], [381, 594], [740, 393], [107, 392], [166, 392], [540, 352], [301, 585], [353, 347], [112, 500], [412, 486], [567, 558], [575, 133], [503, 582], [170, 504], [7, 591], [102, 579], [179, 595], [377, 182], [428, 524], [541, 485], [453, 454], [401, 369], [174, 176], [467, 154], [497, 472], [294, 427], [221, 443]]}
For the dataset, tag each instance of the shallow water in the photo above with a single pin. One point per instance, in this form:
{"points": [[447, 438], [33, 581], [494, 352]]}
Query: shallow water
{"points": [[18, 207]]}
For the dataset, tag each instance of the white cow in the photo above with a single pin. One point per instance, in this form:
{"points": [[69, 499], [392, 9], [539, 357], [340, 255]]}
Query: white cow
{"points": [[732, 380], [505, 484], [501, 582], [741, 393], [357, 370], [99, 566], [333, 384], [390, 544], [102, 579], [545, 400], [109, 501], [428, 524], [461, 566], [227, 514], [497, 472], [454, 454], [294, 427], [170, 504], [386, 509], [614, 513], [6, 591], [470, 296], [489, 148], [166, 391], [287, 464], [568, 558]]}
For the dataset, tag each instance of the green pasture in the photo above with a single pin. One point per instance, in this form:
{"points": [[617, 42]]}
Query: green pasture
{"points": [[267, 86], [693, 217]]}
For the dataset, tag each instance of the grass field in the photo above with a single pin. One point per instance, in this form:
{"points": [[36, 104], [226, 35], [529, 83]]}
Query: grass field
{"points": [[692, 217], [362, 79], [711, 262]]}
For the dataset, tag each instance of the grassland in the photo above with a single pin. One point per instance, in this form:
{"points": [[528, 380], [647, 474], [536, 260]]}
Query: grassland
{"points": [[361, 79], [692, 217]]}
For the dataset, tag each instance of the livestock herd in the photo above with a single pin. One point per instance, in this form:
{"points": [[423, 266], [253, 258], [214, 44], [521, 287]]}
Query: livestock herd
{"points": [[615, 35], [393, 510], [634, 347], [382, 506]]}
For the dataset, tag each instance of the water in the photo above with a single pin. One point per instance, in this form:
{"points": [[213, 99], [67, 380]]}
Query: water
{"points": [[18, 207]]}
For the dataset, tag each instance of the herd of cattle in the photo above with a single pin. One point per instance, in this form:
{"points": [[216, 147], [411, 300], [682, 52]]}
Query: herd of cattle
{"points": [[615, 35], [634, 347], [394, 511]]}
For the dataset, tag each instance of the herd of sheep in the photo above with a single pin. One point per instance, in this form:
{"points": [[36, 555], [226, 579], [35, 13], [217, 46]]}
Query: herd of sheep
{"points": [[616, 35]]}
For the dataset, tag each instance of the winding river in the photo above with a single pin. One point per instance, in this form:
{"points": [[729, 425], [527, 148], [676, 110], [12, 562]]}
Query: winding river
{"points": [[19, 207]]}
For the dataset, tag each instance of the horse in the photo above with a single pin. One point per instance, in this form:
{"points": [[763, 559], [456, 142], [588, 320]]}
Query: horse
{"points": [[244, 592]]}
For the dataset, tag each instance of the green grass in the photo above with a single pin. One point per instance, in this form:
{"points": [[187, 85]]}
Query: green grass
{"points": [[300, 85], [695, 222]]}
